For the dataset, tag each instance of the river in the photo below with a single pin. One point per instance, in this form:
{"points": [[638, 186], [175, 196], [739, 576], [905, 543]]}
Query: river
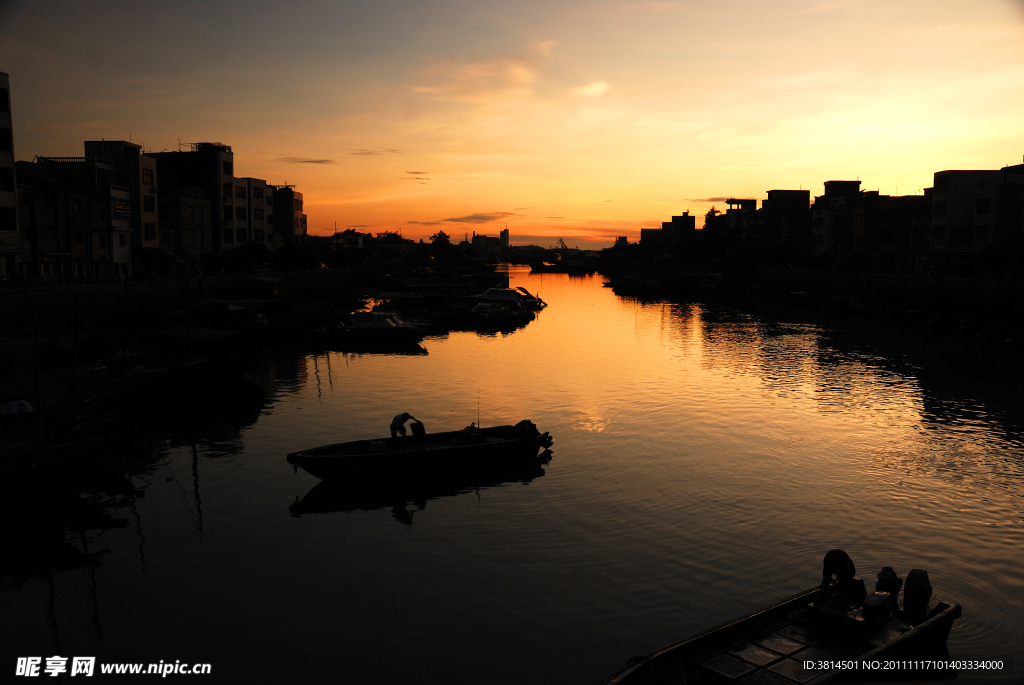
{"points": [[705, 459]]}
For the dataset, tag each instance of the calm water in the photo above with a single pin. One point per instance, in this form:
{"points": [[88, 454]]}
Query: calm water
{"points": [[704, 462]]}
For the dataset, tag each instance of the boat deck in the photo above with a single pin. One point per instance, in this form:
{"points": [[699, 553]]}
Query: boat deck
{"points": [[772, 646]]}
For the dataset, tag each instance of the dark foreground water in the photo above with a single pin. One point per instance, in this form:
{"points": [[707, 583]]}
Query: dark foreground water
{"points": [[704, 462]]}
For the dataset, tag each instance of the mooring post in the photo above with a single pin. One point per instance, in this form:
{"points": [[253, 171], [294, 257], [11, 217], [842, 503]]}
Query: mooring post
{"points": [[39, 393], [124, 324], [188, 314], [74, 385]]}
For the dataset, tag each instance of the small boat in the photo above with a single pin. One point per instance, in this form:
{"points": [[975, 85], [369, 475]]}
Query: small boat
{"points": [[520, 296], [830, 632], [373, 327], [424, 454]]}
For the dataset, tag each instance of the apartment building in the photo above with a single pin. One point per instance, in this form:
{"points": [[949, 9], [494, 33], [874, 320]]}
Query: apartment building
{"points": [[210, 167], [10, 239]]}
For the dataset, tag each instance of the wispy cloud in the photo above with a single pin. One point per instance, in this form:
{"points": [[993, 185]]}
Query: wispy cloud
{"points": [[306, 160], [377, 151], [424, 223], [507, 78], [709, 199], [519, 209], [594, 89], [554, 217], [482, 218]]}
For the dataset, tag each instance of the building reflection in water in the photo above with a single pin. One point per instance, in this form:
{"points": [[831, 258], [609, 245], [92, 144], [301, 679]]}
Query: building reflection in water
{"points": [[848, 375]]}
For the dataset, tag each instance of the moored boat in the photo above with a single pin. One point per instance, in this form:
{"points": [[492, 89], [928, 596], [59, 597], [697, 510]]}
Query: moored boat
{"points": [[835, 631], [423, 453]]}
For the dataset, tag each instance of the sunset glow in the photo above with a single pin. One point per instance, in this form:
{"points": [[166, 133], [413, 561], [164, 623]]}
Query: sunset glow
{"points": [[581, 120]]}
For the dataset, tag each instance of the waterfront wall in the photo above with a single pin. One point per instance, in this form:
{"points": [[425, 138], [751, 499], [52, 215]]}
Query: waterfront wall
{"points": [[958, 296], [147, 303]]}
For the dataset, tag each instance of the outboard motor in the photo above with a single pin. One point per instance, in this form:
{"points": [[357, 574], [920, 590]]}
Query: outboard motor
{"points": [[917, 592], [888, 581]]}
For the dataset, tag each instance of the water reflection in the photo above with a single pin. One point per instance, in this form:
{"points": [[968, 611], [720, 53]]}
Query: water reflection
{"points": [[398, 494], [708, 456]]}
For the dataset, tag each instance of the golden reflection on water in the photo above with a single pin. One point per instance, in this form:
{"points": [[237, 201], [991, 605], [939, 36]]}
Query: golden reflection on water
{"points": [[704, 461]]}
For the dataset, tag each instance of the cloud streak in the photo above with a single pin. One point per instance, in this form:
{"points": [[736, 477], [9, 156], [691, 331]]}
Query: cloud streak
{"points": [[594, 89], [481, 218], [307, 160], [378, 151], [498, 80]]}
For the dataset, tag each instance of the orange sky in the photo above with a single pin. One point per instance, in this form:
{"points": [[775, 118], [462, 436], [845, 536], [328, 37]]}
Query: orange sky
{"points": [[581, 120]]}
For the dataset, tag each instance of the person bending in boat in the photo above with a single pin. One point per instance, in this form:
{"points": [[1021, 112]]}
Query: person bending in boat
{"points": [[398, 424]]}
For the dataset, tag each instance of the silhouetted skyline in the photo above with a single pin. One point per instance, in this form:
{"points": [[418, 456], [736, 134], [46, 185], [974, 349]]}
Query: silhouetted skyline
{"points": [[579, 120]]}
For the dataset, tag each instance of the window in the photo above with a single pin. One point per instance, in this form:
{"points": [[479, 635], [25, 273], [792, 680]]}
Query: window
{"points": [[200, 213], [8, 217], [227, 190], [6, 140], [259, 236], [939, 233], [270, 219], [240, 213], [7, 181], [257, 193], [150, 231], [147, 177], [122, 209], [270, 199], [980, 234], [165, 238], [939, 209], [192, 237], [818, 240], [191, 212], [296, 203], [257, 214], [148, 203], [122, 239], [984, 205], [229, 235], [5, 101], [240, 192], [227, 168], [227, 213]]}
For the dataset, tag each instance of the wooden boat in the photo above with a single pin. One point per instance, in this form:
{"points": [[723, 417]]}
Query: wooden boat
{"points": [[424, 454], [804, 640]]}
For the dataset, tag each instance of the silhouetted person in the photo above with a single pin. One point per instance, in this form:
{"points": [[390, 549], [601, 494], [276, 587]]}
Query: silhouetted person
{"points": [[846, 591], [398, 424]]}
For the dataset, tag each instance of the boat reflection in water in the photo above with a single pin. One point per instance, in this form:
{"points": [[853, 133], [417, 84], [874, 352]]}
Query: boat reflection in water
{"points": [[398, 493]]}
